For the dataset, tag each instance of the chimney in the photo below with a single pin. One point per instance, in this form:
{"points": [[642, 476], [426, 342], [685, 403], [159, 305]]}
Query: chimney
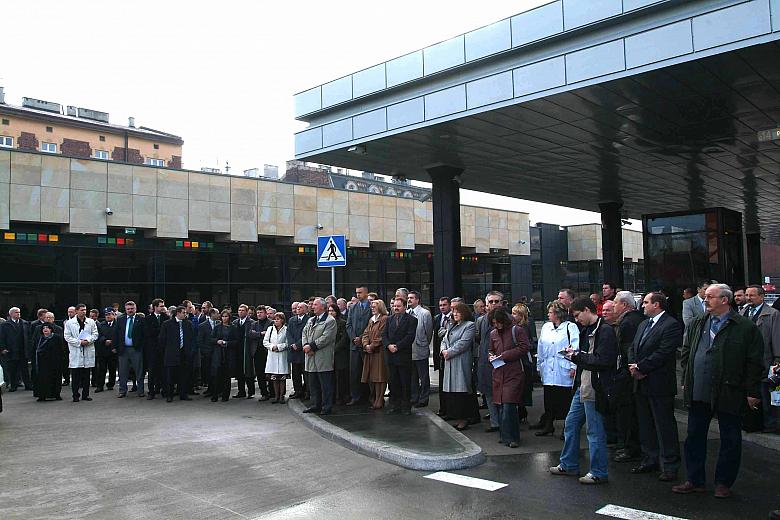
{"points": [[2, 96], [131, 122]]}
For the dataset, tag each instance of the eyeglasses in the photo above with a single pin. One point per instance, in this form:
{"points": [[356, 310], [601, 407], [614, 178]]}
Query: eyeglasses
{"points": [[494, 302]]}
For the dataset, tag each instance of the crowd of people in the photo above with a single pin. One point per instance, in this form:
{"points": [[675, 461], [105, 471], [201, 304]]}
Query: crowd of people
{"points": [[602, 363]]}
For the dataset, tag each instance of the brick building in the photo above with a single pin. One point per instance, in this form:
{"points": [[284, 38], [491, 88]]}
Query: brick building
{"points": [[44, 126]]}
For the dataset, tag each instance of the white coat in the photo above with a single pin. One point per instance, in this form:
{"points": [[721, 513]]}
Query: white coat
{"points": [[276, 363], [81, 357], [553, 367]]}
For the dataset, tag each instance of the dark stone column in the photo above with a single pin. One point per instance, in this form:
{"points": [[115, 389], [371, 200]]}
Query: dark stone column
{"points": [[446, 231], [612, 242], [754, 274], [520, 276]]}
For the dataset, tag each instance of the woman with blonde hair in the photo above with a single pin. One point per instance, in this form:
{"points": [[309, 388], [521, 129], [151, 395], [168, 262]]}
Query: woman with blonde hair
{"points": [[556, 371], [277, 369], [521, 317], [374, 369]]}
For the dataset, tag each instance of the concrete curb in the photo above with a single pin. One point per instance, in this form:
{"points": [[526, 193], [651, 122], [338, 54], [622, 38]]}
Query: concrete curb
{"points": [[470, 457]]}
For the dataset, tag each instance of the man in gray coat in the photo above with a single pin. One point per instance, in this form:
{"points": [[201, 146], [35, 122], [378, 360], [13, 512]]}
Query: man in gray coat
{"points": [[319, 342], [694, 307], [493, 300], [768, 321], [421, 351], [357, 321]]}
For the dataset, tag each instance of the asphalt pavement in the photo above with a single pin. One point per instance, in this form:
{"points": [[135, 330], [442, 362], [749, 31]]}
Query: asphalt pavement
{"points": [[131, 458]]}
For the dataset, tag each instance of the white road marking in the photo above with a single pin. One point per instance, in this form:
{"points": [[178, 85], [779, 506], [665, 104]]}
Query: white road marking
{"points": [[463, 480], [628, 513]]}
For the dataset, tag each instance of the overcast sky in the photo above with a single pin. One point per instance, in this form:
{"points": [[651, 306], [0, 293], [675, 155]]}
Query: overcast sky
{"points": [[223, 74]]}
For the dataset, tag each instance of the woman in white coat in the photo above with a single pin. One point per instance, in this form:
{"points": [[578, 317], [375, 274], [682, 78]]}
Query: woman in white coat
{"points": [[80, 334], [277, 370], [556, 371]]}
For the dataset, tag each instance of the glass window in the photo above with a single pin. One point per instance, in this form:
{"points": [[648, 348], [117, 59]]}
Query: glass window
{"points": [[154, 162], [6, 141], [677, 224], [49, 147], [101, 154]]}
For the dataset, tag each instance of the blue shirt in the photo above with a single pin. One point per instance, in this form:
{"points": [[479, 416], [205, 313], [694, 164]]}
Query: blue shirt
{"points": [[128, 325]]}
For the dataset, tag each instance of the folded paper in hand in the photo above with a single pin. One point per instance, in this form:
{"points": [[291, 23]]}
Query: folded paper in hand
{"points": [[84, 335], [498, 362]]}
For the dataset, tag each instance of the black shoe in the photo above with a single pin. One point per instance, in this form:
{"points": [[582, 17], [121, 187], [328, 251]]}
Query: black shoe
{"points": [[214, 399], [668, 476], [86, 398], [40, 400], [644, 468], [544, 433], [238, 396], [120, 396], [486, 416], [625, 456], [225, 399], [312, 409], [133, 389], [76, 399], [169, 399], [142, 394], [491, 429], [98, 389], [421, 405], [185, 398], [326, 412], [294, 395], [12, 389]]}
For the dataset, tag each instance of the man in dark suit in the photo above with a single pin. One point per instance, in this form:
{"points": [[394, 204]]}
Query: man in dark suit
{"points": [[652, 364], [295, 354], [397, 339], [129, 338], [177, 339], [259, 328], [243, 365], [626, 321], [441, 322], [206, 349], [14, 337], [105, 352], [357, 320], [154, 353]]}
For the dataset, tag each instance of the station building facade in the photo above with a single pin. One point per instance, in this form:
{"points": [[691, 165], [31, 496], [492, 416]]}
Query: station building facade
{"points": [[98, 232]]}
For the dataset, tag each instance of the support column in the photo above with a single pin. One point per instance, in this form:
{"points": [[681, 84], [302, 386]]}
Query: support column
{"points": [[612, 242], [754, 271], [446, 231]]}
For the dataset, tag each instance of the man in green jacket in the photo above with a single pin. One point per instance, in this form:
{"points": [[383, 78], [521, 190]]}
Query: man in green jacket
{"points": [[722, 360]]}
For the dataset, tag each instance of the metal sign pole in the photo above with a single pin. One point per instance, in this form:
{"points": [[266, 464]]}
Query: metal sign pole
{"points": [[333, 281]]}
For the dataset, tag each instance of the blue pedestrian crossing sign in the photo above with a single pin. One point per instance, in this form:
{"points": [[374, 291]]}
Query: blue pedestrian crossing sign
{"points": [[331, 251]]}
